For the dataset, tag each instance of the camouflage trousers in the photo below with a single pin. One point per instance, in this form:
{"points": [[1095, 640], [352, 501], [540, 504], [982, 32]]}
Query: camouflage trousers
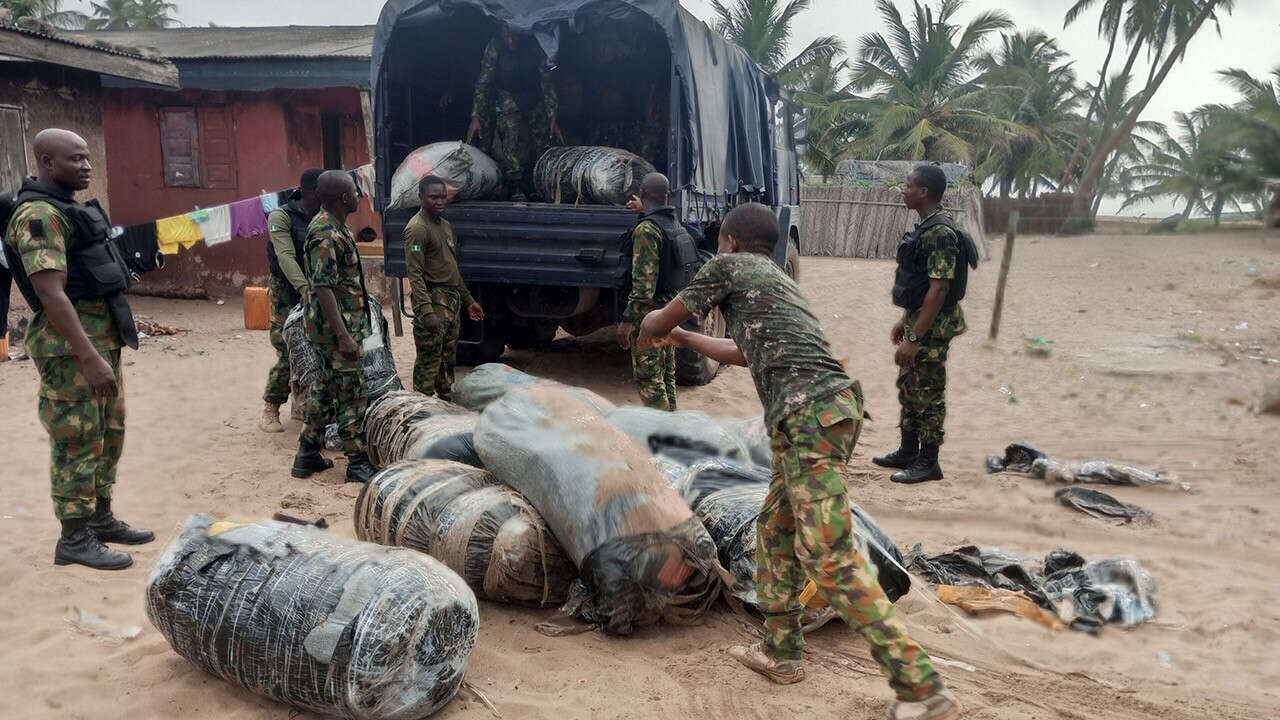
{"points": [[338, 398], [520, 136], [654, 369], [437, 352], [86, 435], [806, 530], [922, 391], [283, 299]]}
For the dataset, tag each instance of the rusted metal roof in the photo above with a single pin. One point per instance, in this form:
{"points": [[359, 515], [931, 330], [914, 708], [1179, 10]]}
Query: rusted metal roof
{"points": [[77, 50], [290, 41]]}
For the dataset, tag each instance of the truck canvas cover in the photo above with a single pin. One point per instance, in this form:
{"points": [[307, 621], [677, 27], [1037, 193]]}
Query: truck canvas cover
{"points": [[724, 96]]}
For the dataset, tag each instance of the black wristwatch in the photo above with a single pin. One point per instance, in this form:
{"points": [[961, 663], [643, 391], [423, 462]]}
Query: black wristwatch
{"points": [[910, 334]]}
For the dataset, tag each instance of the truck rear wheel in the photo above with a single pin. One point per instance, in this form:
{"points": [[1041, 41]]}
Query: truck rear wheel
{"points": [[692, 368], [489, 349], [792, 268], [533, 334]]}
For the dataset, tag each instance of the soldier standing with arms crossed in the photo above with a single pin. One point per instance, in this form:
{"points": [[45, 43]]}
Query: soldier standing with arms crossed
{"points": [[933, 270], [59, 254], [337, 321], [436, 291], [286, 252], [814, 411]]}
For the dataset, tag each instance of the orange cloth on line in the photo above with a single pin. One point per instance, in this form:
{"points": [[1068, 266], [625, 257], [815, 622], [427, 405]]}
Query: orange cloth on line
{"points": [[177, 231]]}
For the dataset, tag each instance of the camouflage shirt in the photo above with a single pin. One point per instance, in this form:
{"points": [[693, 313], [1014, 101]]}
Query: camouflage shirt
{"points": [[483, 100], [333, 261], [789, 357], [646, 258], [942, 247], [40, 234]]}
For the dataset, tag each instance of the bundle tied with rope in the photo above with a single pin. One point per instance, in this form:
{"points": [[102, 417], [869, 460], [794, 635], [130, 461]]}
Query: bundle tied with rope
{"points": [[405, 425], [479, 528], [641, 554]]}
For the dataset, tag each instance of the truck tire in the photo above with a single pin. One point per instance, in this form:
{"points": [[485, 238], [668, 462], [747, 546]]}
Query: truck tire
{"points": [[488, 350], [792, 268], [693, 369], [531, 335]]}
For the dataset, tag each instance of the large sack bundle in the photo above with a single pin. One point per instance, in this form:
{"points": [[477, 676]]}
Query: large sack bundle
{"points": [[728, 497], [641, 553], [313, 619], [377, 364], [757, 438], [412, 426], [462, 516], [589, 175], [486, 383], [659, 430], [468, 173]]}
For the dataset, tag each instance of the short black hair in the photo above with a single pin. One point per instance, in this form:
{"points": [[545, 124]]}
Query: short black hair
{"points": [[754, 226], [309, 178], [430, 180], [932, 177]]}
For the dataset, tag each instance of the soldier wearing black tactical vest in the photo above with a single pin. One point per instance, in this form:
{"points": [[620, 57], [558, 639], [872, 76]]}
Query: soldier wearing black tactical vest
{"points": [[74, 279], [287, 226], [664, 258], [932, 274]]}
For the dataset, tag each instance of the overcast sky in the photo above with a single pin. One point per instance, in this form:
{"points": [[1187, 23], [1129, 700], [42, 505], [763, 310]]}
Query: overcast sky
{"points": [[1250, 36]]}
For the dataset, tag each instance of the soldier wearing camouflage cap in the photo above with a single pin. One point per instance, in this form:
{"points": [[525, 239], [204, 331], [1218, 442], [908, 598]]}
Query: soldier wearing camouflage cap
{"points": [[68, 271], [814, 411]]}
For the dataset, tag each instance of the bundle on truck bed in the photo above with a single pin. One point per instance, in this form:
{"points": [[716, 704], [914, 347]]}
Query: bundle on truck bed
{"points": [[315, 620], [641, 554], [478, 527], [412, 426]]}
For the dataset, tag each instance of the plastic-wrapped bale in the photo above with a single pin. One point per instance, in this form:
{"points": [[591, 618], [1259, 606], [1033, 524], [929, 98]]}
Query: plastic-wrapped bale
{"points": [[468, 173], [621, 522], [589, 175], [486, 383], [659, 430], [378, 367], [481, 529], [756, 436], [315, 620], [728, 497], [406, 425]]}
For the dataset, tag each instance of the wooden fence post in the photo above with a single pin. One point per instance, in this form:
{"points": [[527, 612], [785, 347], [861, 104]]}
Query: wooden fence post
{"points": [[1011, 233]]}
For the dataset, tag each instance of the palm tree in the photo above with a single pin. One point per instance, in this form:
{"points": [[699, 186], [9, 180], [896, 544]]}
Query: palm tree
{"points": [[1181, 18], [132, 14], [46, 11], [154, 14], [821, 90], [1195, 167], [1253, 124], [927, 102], [763, 29], [1030, 88]]}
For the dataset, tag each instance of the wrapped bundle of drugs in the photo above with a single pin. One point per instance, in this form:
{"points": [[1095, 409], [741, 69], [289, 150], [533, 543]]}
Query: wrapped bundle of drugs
{"points": [[468, 173], [589, 175]]}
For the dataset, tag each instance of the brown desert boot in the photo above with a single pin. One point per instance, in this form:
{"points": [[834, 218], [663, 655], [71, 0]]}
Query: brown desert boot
{"points": [[942, 706], [783, 672]]}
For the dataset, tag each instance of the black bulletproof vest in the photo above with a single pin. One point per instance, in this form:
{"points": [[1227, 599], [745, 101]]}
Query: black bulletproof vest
{"points": [[679, 261], [298, 222], [519, 72], [911, 282], [95, 267]]}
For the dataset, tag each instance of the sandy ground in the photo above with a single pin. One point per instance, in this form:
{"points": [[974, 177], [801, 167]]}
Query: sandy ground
{"points": [[1151, 339]]}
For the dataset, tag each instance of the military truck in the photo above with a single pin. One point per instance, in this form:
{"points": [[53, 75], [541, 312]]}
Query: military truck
{"points": [[641, 73]]}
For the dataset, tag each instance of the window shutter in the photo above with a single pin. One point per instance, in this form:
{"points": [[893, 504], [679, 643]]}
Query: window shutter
{"points": [[217, 148], [178, 143]]}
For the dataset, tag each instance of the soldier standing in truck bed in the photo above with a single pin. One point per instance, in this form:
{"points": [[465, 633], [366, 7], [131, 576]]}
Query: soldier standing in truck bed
{"points": [[515, 105]]}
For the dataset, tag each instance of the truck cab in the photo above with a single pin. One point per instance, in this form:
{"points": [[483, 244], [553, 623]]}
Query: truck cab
{"points": [[641, 75]]}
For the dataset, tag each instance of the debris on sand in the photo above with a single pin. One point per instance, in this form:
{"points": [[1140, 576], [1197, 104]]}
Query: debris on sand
{"points": [[1099, 504]]}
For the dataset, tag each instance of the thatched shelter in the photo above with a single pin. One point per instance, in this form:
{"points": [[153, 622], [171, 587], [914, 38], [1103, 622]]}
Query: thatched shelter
{"points": [[868, 220]]}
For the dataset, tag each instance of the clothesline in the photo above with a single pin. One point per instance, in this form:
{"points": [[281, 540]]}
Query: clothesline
{"points": [[216, 225]]}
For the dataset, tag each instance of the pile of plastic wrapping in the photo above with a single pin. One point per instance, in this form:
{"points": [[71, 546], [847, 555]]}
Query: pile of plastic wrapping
{"points": [[314, 620], [589, 175], [377, 364], [478, 527], [405, 425], [489, 382]]}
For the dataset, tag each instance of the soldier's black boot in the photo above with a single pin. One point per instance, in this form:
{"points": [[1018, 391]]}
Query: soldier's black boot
{"points": [[309, 461], [904, 455], [359, 469], [111, 529], [922, 469], [78, 545]]}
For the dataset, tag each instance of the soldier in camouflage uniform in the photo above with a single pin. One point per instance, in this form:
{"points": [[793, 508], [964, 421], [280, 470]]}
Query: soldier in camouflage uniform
{"points": [[653, 366], [814, 411], [76, 346], [287, 226], [515, 105], [936, 254], [436, 291], [337, 321]]}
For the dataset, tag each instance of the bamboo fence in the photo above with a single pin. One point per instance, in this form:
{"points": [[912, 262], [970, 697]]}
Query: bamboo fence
{"points": [[868, 221]]}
